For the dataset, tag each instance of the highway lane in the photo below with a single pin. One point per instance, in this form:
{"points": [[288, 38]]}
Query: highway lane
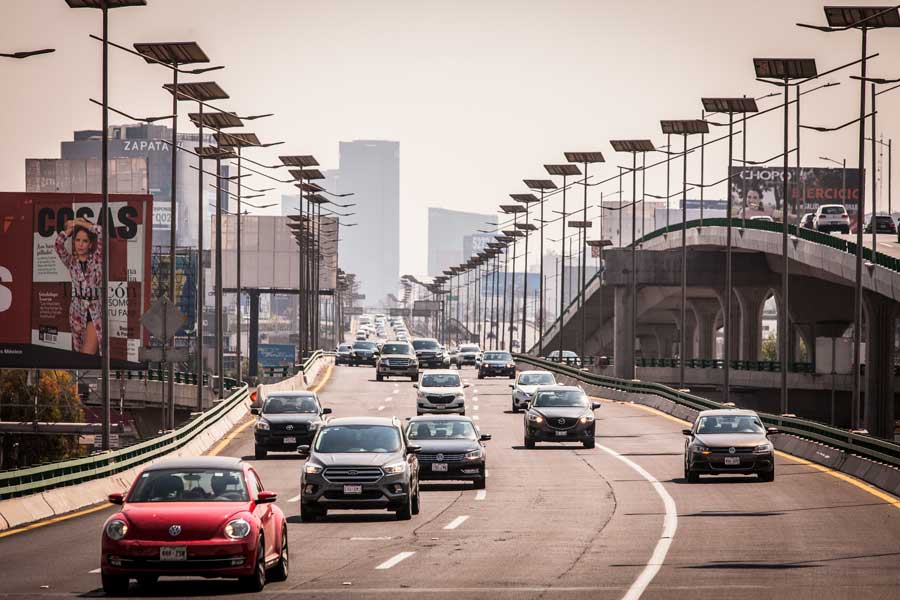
{"points": [[555, 522]]}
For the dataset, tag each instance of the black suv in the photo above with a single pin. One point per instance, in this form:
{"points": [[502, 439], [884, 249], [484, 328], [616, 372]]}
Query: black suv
{"points": [[452, 448], [363, 353], [497, 363], [560, 414], [429, 352], [360, 463], [286, 421]]}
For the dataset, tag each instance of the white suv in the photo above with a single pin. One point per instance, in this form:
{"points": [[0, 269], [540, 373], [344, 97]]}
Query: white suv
{"points": [[526, 385], [440, 392], [832, 217]]}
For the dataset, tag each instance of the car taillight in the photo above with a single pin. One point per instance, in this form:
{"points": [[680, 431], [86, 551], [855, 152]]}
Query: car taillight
{"points": [[845, 216]]}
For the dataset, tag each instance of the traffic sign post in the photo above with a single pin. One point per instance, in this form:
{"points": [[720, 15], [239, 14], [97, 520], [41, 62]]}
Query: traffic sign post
{"points": [[163, 320]]}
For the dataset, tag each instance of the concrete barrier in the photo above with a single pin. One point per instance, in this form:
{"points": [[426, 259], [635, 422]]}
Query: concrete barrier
{"points": [[300, 381]]}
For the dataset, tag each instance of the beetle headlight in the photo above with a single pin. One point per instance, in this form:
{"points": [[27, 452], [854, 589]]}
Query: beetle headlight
{"points": [[116, 529], [237, 529]]}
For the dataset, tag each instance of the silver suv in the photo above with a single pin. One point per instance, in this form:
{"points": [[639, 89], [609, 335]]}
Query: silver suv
{"points": [[360, 463]]}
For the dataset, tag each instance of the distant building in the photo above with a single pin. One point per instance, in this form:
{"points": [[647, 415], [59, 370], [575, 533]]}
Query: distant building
{"points": [[371, 170], [447, 231]]}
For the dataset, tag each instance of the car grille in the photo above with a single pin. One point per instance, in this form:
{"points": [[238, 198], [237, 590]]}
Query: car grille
{"points": [[561, 422], [180, 565], [439, 399], [365, 495], [396, 362], [448, 458], [295, 427], [737, 450], [352, 474]]}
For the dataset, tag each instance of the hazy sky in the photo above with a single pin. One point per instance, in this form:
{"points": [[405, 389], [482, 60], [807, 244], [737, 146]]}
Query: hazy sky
{"points": [[479, 93]]}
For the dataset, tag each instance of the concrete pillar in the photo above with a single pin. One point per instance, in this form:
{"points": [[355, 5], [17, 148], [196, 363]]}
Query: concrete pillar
{"points": [[878, 403], [254, 332], [622, 334], [649, 345], [751, 300], [666, 337], [705, 312]]}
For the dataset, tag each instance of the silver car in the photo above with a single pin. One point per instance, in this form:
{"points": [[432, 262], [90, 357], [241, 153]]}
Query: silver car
{"points": [[526, 385], [440, 392]]}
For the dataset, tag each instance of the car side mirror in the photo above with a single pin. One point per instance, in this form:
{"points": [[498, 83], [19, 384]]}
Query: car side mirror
{"points": [[326, 411], [485, 437], [303, 451], [266, 497], [465, 385], [116, 498], [687, 432], [414, 449], [511, 386], [254, 411], [595, 405], [771, 430], [416, 385]]}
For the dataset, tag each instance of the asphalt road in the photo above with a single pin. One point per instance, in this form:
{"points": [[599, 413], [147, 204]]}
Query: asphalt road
{"points": [[555, 522]]}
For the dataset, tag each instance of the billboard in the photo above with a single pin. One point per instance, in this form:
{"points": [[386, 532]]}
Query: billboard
{"points": [[185, 282], [515, 281], [762, 190], [276, 355], [50, 277]]}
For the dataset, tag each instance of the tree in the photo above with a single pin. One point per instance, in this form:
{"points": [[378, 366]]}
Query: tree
{"points": [[769, 348], [52, 397]]}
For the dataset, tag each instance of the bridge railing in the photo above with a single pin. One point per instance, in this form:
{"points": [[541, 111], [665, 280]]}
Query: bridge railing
{"points": [[863, 445], [20, 482], [188, 378]]}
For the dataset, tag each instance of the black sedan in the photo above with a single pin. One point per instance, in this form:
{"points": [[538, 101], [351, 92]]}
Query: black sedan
{"points": [[452, 448], [363, 353], [497, 364], [287, 420], [560, 414], [729, 442], [342, 354]]}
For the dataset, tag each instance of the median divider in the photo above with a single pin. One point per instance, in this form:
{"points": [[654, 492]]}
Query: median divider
{"points": [[308, 373], [870, 459]]}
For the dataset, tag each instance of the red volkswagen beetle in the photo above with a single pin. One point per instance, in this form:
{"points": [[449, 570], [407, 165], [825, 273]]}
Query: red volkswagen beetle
{"points": [[206, 516]]}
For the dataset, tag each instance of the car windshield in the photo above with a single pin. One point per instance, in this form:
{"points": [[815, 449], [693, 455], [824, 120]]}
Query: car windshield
{"points": [[364, 346], [396, 349], [425, 345], [468, 349], [730, 424], [441, 430], [561, 398], [498, 356], [537, 379], [358, 438], [440, 380], [284, 405], [832, 210], [189, 485]]}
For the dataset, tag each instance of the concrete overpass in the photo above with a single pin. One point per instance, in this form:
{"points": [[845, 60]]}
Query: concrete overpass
{"points": [[822, 274]]}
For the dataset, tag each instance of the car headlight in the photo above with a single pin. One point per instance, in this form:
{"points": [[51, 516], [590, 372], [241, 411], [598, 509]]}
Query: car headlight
{"points": [[535, 418], [312, 468], [510, 365], [263, 425], [473, 455], [586, 418], [116, 529], [395, 468], [763, 448], [460, 396], [700, 449], [237, 529]]}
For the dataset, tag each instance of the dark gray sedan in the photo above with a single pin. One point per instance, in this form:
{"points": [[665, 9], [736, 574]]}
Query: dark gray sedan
{"points": [[729, 442]]}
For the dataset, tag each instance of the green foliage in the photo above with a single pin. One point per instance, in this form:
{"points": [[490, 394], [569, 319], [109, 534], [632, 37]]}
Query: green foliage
{"points": [[51, 398], [769, 349]]}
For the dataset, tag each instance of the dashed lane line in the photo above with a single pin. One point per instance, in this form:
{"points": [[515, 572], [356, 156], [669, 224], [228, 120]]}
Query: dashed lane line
{"points": [[295, 498], [380, 408], [94, 571], [456, 522], [393, 561], [481, 494]]}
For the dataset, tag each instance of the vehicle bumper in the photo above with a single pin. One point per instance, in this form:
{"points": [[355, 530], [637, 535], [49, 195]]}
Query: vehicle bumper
{"points": [[363, 360], [488, 371], [749, 463], [465, 360], [210, 558], [385, 493], [467, 470], [452, 407], [276, 441], [398, 371], [826, 227], [341, 360], [432, 363], [578, 433]]}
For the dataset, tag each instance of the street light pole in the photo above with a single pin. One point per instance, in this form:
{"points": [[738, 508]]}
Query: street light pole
{"points": [[565, 171]]}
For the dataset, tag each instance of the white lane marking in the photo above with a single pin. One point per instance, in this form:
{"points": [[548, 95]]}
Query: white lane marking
{"points": [[371, 539], [486, 472], [670, 524], [480, 495], [456, 522], [381, 407], [389, 398], [393, 561], [474, 417], [94, 572], [475, 407], [396, 391], [295, 498]]}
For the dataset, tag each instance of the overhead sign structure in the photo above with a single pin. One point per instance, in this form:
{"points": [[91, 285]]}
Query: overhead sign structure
{"points": [[353, 311], [50, 277], [426, 305], [398, 312]]}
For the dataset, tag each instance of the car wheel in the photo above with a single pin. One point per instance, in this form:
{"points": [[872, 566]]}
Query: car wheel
{"points": [[590, 443], [309, 513], [280, 570], [529, 443], [690, 475], [479, 484], [480, 376], [379, 377], [259, 452], [512, 375], [413, 377], [416, 503], [515, 408], [114, 585], [257, 581], [404, 513], [767, 476]]}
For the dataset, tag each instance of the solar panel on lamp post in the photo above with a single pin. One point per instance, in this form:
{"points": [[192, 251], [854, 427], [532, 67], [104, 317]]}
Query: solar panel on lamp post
{"points": [[527, 227], [302, 161], [731, 106], [633, 146], [541, 185], [514, 210], [565, 171], [317, 202], [104, 6], [781, 71], [586, 158], [581, 227], [684, 128]]}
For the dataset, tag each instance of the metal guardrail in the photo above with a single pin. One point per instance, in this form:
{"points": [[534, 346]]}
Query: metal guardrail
{"points": [[717, 363], [188, 378], [862, 445], [20, 482]]}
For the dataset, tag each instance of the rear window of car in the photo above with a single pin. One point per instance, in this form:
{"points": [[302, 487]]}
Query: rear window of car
{"points": [[884, 219], [833, 210]]}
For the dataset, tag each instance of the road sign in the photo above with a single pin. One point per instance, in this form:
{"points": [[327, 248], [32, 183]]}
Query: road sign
{"points": [[163, 355], [427, 305], [398, 312], [353, 310], [358, 297], [163, 319]]}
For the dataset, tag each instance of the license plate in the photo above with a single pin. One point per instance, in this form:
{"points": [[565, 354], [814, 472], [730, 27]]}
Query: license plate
{"points": [[561, 433], [439, 467], [353, 489], [732, 460], [173, 553], [290, 440]]}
